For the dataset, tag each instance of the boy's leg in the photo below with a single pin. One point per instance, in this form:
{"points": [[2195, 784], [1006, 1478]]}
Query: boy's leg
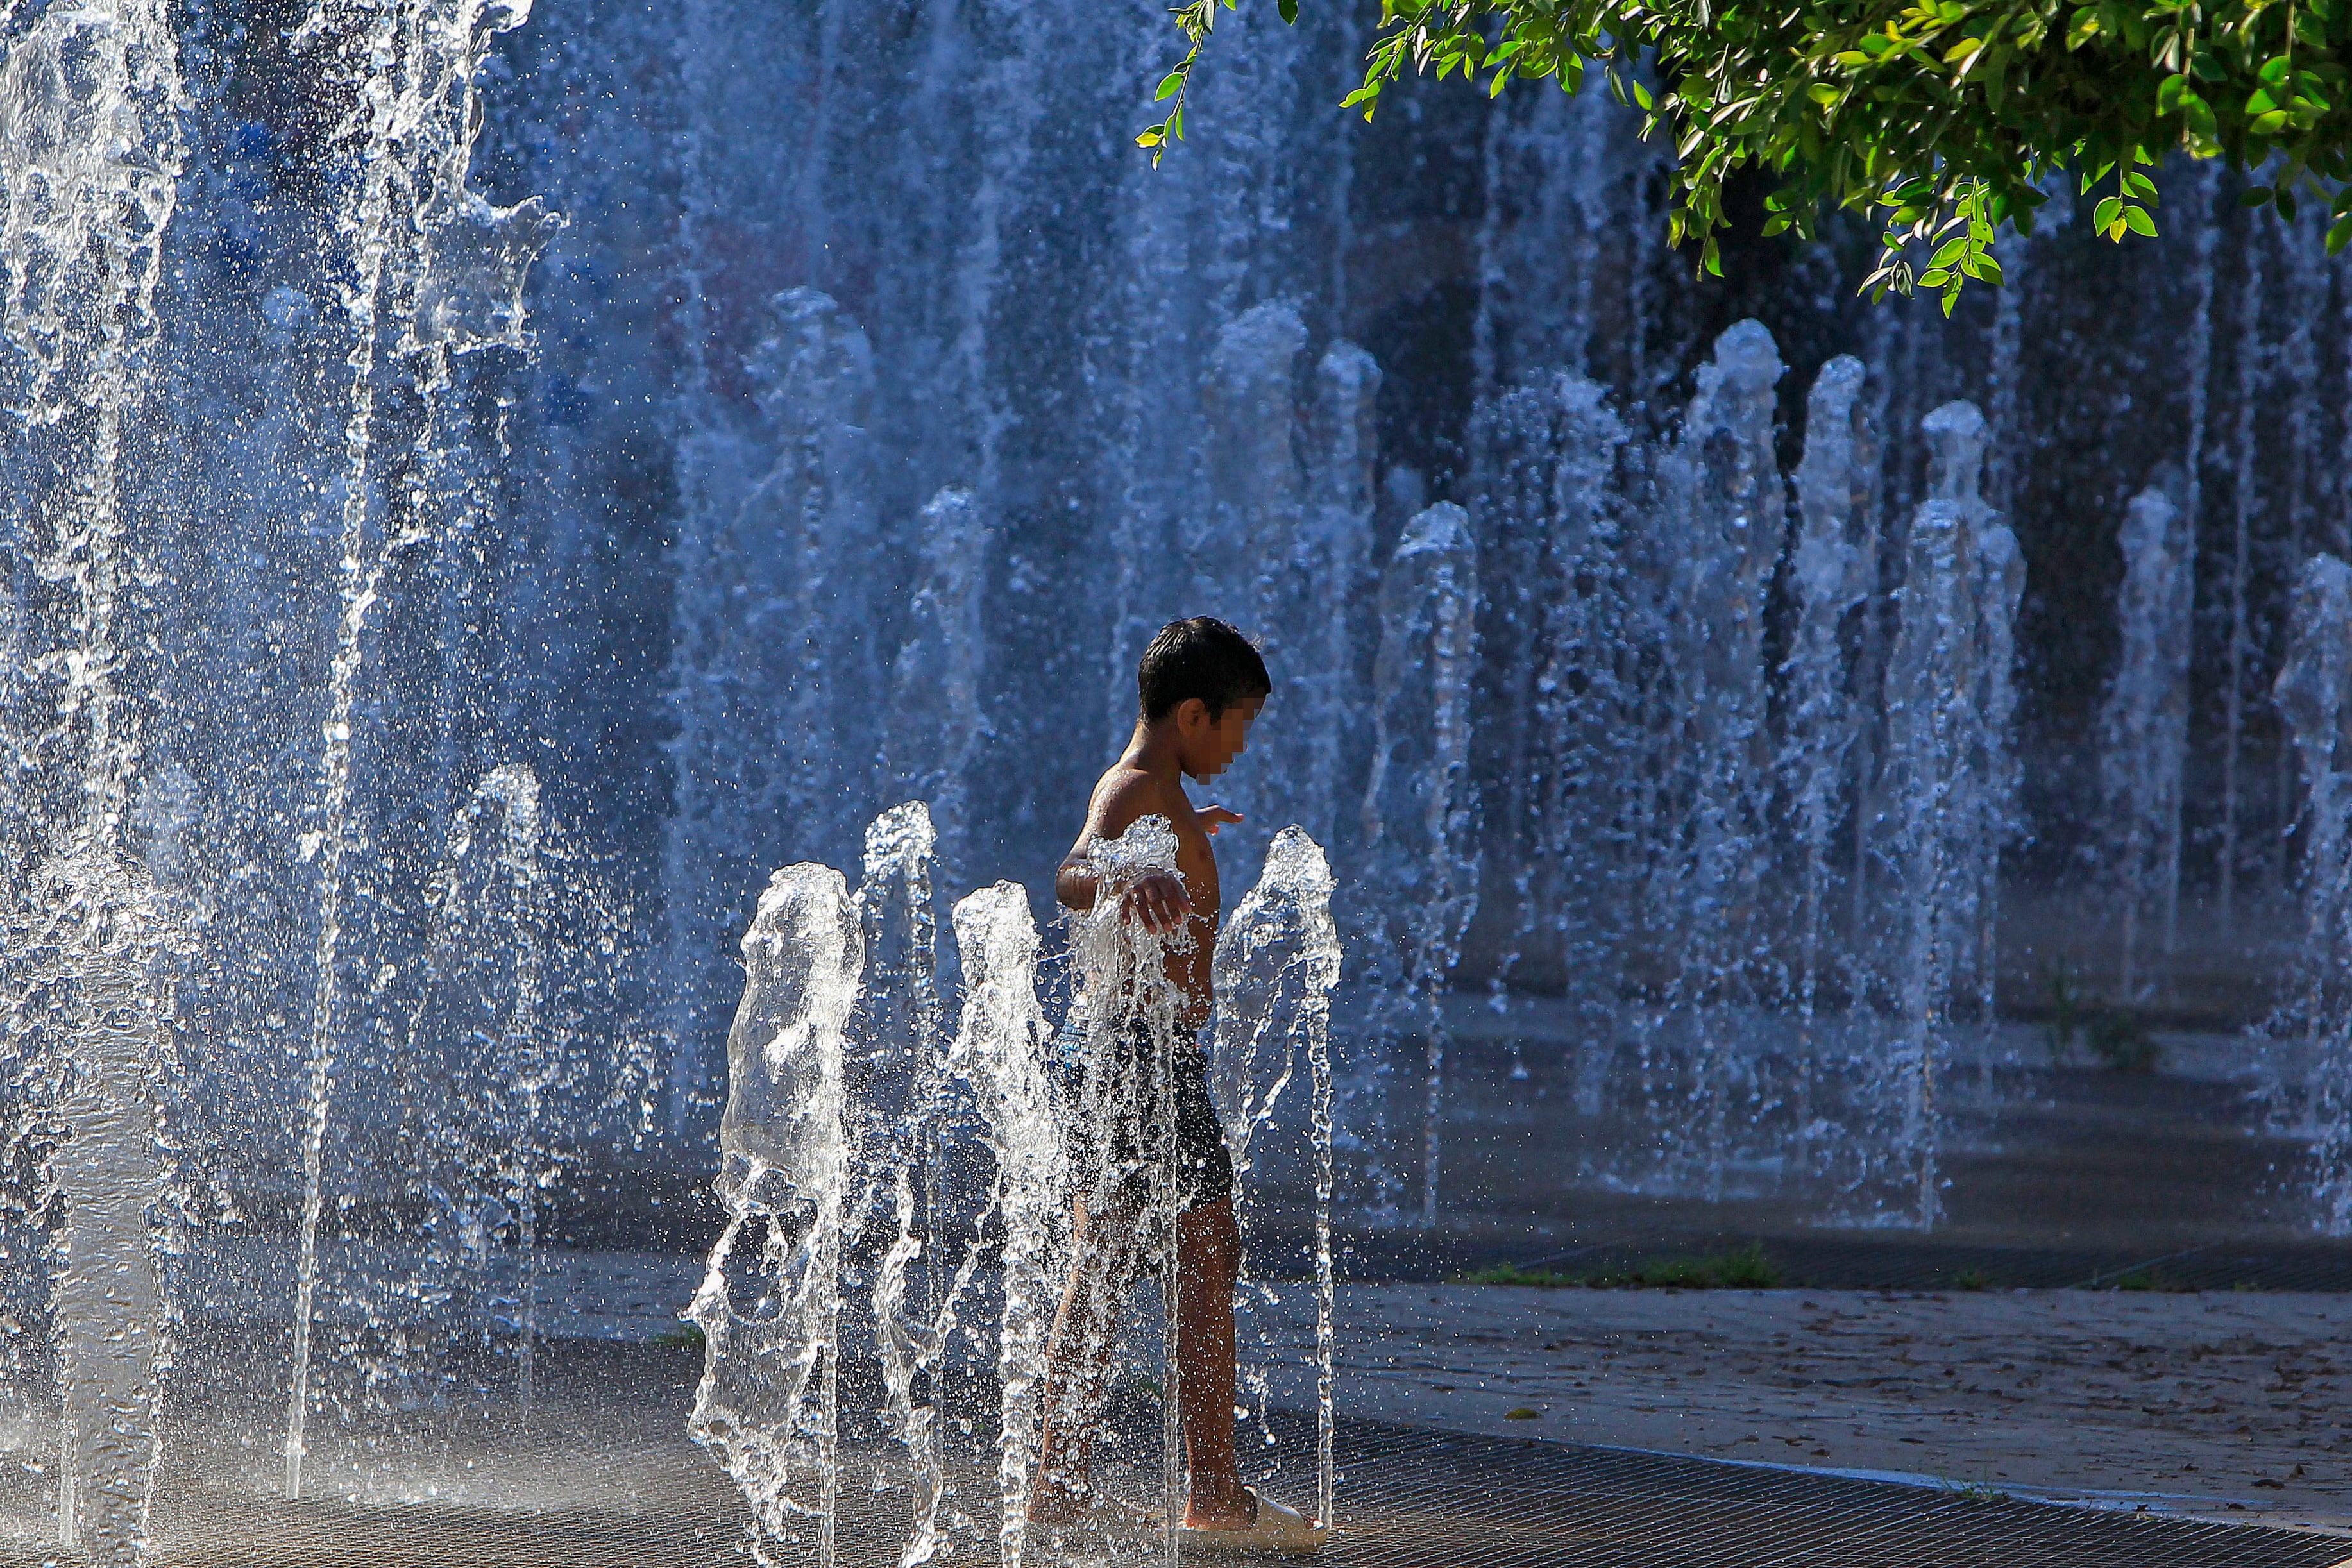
{"points": [[1104, 1263], [1208, 1265]]}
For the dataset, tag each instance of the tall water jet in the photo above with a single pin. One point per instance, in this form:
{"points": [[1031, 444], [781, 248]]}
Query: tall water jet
{"points": [[2144, 728], [91, 157], [1550, 454], [476, 1067], [1253, 564], [936, 719], [1719, 489], [100, 972], [999, 1052], [1419, 812], [1277, 962], [769, 1402], [776, 563], [1950, 785], [2246, 499], [440, 267], [1833, 573], [2314, 696], [897, 1105], [1337, 554]]}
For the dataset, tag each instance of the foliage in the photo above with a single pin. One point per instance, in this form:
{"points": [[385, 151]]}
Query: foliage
{"points": [[1745, 1269], [2065, 1011], [2117, 1037], [1948, 118], [2150, 1279], [2121, 1041]]}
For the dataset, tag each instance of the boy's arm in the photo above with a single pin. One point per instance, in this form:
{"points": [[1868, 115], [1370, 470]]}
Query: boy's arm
{"points": [[1159, 900]]}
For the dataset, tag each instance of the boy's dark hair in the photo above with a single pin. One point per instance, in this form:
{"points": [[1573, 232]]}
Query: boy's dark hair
{"points": [[1200, 657]]}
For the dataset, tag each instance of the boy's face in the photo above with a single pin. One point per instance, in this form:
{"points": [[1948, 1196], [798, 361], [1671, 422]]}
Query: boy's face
{"points": [[1212, 744]]}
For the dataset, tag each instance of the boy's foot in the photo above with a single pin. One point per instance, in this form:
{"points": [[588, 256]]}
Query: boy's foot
{"points": [[1271, 1528]]}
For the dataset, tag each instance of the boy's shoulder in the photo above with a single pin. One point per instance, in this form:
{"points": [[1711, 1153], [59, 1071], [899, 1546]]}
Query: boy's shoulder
{"points": [[1123, 794]]}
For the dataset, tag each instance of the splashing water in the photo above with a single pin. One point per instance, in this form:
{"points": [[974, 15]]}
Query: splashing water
{"points": [[1834, 572], [2144, 726], [90, 157], [1719, 490], [2314, 696], [1418, 824], [769, 1402], [1277, 962], [410, 220], [475, 1069], [776, 562], [1128, 996], [844, 1113], [937, 682], [999, 1051], [1950, 782], [898, 1104]]}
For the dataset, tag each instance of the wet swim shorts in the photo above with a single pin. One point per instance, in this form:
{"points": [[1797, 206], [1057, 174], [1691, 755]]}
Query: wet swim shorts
{"points": [[1129, 1149]]}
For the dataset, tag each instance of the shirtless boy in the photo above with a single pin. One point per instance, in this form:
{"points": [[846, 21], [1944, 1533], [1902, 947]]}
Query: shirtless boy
{"points": [[1201, 684]]}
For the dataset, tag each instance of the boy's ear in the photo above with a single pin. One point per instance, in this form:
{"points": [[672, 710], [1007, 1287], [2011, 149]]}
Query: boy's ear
{"points": [[1191, 713]]}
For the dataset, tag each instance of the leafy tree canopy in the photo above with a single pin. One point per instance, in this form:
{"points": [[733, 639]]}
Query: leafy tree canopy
{"points": [[1946, 117]]}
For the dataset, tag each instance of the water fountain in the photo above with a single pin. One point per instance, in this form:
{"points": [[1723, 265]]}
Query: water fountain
{"points": [[1418, 823], [89, 164], [1721, 499], [830, 1129], [791, 486], [1824, 756], [2313, 688], [770, 1307], [1948, 786], [2143, 728]]}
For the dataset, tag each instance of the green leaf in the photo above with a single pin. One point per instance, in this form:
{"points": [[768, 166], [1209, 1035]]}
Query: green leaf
{"points": [[2168, 95], [1641, 93], [2255, 196], [2285, 203], [1290, 10], [2138, 222], [2339, 234], [2083, 28], [2103, 216], [1170, 86]]}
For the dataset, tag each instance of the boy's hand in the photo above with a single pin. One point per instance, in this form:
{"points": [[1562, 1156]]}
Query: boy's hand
{"points": [[1157, 903], [1212, 818]]}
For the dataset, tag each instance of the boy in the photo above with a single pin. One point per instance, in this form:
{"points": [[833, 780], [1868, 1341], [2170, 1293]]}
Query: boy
{"points": [[1199, 687]]}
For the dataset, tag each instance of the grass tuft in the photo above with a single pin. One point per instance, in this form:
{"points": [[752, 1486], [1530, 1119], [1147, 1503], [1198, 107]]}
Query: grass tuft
{"points": [[1745, 1268]]}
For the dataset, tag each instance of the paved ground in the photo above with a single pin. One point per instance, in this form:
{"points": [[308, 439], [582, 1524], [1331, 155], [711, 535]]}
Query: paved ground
{"points": [[2189, 1402]]}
